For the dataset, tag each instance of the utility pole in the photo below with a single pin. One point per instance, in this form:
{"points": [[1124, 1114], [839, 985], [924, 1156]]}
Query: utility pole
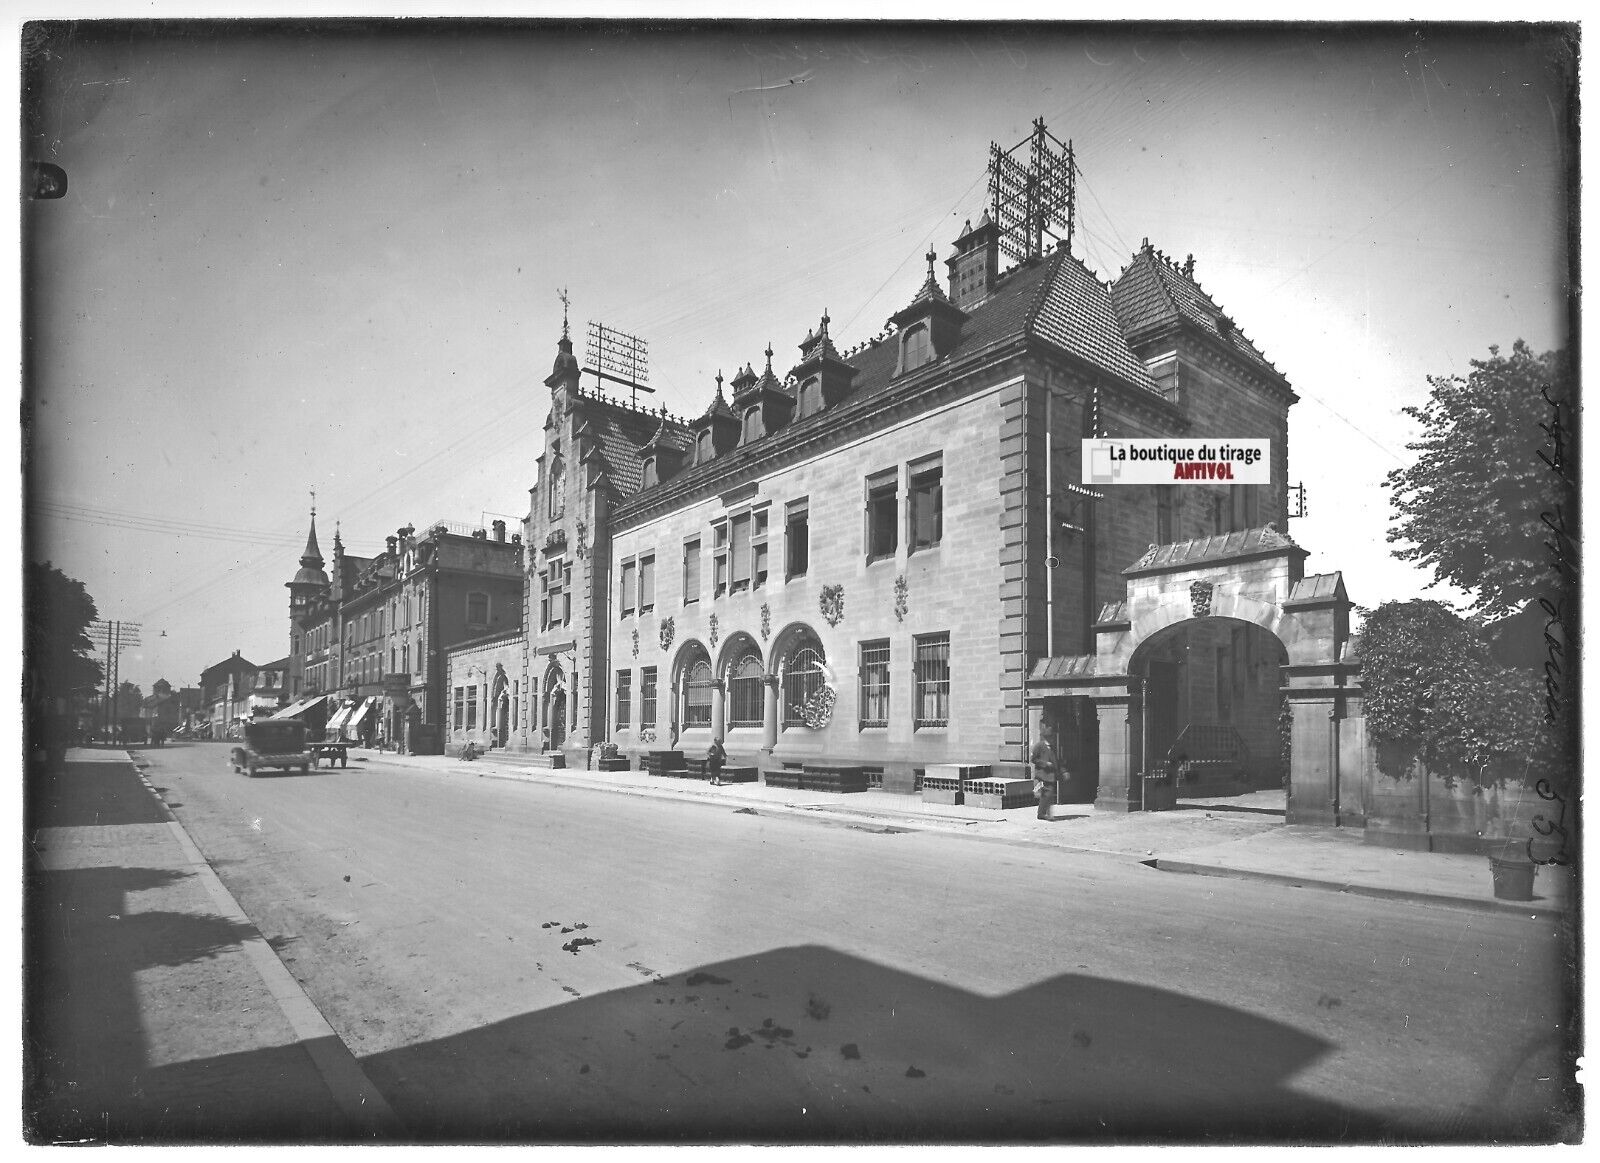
{"points": [[118, 635]]}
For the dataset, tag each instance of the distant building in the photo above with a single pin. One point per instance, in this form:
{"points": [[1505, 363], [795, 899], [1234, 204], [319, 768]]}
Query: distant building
{"points": [[371, 635], [224, 693]]}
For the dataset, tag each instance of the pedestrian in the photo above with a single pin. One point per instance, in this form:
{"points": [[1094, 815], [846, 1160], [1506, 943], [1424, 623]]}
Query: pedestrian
{"points": [[1043, 761], [715, 755]]}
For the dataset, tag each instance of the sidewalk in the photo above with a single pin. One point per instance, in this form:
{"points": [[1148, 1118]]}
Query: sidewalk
{"points": [[1243, 837], [156, 1013]]}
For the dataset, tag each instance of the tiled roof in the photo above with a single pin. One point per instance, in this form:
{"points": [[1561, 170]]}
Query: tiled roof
{"points": [[1319, 586], [1055, 299], [1076, 314], [1152, 291], [619, 433], [1217, 547], [1070, 666]]}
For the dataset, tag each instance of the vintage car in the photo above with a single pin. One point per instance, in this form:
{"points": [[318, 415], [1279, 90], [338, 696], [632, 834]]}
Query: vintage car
{"points": [[280, 744]]}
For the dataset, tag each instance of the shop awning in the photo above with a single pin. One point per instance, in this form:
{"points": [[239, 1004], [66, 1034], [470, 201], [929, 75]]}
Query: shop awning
{"points": [[361, 713], [338, 718], [295, 710]]}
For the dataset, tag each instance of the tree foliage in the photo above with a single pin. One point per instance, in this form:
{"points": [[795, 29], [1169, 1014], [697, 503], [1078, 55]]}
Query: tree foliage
{"points": [[56, 638], [1433, 692], [1479, 502]]}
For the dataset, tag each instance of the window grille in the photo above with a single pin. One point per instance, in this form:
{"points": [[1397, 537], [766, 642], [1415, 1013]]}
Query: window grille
{"points": [[697, 692], [647, 698], [624, 699], [744, 693], [875, 683], [933, 680], [802, 678]]}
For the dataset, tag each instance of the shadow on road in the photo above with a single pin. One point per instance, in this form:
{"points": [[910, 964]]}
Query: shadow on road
{"points": [[96, 950], [807, 1044], [89, 795]]}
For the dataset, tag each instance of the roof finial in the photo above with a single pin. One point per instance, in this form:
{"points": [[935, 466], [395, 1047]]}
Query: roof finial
{"points": [[930, 256], [313, 504], [769, 357], [719, 381], [825, 321], [562, 295]]}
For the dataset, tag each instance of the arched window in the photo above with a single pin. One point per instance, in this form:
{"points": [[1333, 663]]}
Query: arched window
{"points": [[802, 678], [810, 397], [744, 693], [916, 348], [752, 424], [697, 696], [649, 472], [703, 448]]}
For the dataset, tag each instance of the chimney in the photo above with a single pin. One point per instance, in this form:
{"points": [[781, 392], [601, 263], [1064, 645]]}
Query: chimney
{"points": [[976, 264], [391, 542], [500, 532]]}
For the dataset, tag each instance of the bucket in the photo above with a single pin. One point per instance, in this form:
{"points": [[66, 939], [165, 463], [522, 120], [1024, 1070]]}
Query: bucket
{"points": [[1513, 879]]}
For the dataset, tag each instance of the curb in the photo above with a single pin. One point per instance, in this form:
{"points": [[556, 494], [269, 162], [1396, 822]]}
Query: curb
{"points": [[1291, 880], [352, 1091]]}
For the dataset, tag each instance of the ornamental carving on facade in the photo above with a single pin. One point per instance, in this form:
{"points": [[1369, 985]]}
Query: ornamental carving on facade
{"points": [[636, 642], [817, 710], [766, 621], [665, 633], [902, 589], [583, 540], [713, 628], [831, 603], [555, 541], [1200, 598]]}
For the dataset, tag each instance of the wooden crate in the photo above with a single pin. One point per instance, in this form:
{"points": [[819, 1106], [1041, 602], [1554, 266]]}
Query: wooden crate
{"points": [[740, 774], [781, 777], [965, 772], [941, 789]]}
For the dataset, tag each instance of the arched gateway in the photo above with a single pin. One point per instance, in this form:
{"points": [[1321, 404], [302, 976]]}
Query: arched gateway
{"points": [[1213, 637]]}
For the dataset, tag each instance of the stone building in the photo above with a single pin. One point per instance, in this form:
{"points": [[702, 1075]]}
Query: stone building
{"points": [[372, 634]]}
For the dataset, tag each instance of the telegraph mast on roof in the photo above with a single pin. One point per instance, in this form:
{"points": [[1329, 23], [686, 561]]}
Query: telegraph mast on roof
{"points": [[619, 357], [1033, 197]]}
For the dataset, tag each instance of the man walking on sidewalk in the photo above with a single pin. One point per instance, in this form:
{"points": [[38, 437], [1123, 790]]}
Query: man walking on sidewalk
{"points": [[1043, 761]]}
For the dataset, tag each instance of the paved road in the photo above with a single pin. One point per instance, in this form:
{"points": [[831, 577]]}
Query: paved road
{"points": [[514, 960]]}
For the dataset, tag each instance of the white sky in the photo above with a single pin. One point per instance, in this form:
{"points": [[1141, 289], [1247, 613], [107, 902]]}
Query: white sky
{"points": [[331, 260]]}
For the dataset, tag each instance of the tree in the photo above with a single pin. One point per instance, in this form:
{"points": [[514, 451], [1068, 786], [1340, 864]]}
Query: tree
{"points": [[56, 639], [130, 700], [1493, 483], [1432, 691]]}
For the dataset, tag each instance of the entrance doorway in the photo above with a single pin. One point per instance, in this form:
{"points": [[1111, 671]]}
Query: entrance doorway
{"points": [[556, 717]]}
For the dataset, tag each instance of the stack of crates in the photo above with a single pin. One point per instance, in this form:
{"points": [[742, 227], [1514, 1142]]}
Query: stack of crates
{"points": [[831, 778], [1000, 794], [939, 780], [782, 777], [739, 775], [664, 763]]}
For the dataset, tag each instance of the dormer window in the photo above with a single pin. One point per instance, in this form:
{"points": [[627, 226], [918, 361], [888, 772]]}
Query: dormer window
{"points": [[916, 348], [811, 397], [650, 472], [752, 424], [703, 448]]}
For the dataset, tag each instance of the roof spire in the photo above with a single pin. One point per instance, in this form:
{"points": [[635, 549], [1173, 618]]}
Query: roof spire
{"points": [[562, 295]]}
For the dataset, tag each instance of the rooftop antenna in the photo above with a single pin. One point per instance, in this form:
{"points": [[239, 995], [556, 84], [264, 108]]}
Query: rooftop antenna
{"points": [[619, 357], [562, 295], [1035, 194]]}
